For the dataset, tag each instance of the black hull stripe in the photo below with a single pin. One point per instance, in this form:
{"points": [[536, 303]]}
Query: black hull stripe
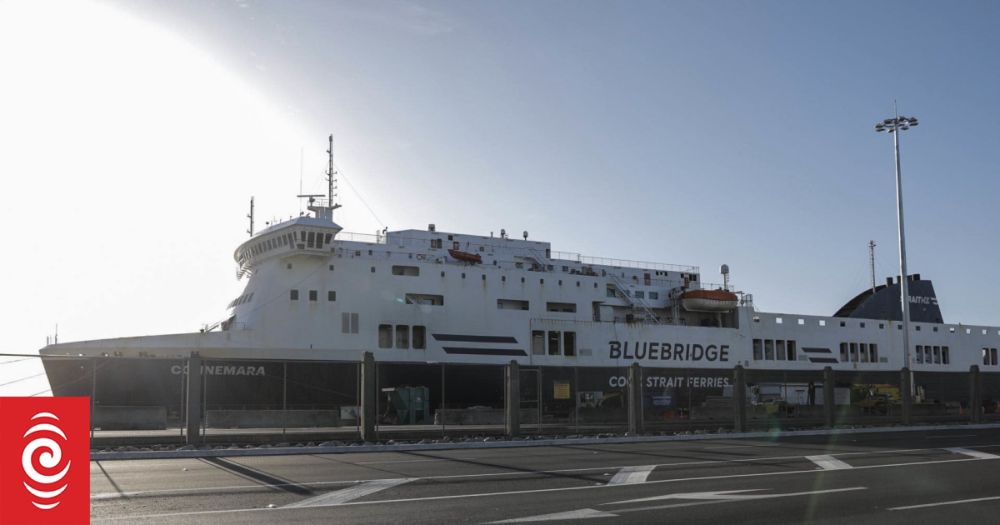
{"points": [[484, 351], [815, 350], [822, 360], [475, 338]]}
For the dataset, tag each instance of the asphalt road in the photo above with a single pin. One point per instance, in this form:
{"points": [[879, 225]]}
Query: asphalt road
{"points": [[902, 477]]}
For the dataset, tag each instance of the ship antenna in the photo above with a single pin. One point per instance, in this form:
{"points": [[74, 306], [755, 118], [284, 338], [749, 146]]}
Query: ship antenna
{"points": [[331, 178], [250, 216], [871, 260]]}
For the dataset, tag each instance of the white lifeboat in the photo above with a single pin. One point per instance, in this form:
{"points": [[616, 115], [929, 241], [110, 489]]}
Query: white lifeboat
{"points": [[709, 300]]}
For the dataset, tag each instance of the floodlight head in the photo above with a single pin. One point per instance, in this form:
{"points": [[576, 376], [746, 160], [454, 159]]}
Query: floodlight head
{"points": [[887, 121], [879, 127]]}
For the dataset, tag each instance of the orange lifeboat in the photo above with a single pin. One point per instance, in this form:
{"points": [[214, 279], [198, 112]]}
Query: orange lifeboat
{"points": [[709, 300], [471, 258]]}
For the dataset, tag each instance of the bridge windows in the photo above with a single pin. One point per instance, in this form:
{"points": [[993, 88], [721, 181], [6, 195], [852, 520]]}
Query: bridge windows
{"points": [[412, 271], [774, 350], [989, 356], [425, 299], [560, 307]]}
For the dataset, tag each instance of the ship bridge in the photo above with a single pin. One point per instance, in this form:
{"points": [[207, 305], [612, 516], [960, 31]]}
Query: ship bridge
{"points": [[303, 235]]}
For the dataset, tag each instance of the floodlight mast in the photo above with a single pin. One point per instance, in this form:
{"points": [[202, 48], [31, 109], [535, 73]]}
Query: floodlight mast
{"points": [[894, 126]]}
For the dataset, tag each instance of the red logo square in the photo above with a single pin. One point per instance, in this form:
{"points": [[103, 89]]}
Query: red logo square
{"points": [[44, 460]]}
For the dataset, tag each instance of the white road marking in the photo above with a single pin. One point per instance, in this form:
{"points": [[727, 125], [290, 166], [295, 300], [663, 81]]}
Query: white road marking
{"points": [[972, 453], [952, 436], [940, 503], [829, 462], [735, 499], [581, 514], [632, 475], [388, 462], [713, 495], [339, 497]]}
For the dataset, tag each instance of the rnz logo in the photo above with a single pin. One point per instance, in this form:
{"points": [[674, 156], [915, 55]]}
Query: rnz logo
{"points": [[45, 460], [46, 450]]}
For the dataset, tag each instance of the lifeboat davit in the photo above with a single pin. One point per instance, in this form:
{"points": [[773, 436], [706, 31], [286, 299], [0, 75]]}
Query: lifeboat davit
{"points": [[709, 300], [472, 258]]}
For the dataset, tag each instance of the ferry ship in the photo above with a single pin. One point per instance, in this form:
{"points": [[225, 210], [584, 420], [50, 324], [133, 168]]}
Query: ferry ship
{"points": [[317, 298]]}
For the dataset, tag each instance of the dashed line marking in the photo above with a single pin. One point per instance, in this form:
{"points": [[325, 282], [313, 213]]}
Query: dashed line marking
{"points": [[631, 475], [972, 453], [829, 462], [941, 503], [339, 497]]}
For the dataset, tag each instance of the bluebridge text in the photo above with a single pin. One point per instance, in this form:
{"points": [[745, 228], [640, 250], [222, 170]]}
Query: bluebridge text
{"points": [[637, 350]]}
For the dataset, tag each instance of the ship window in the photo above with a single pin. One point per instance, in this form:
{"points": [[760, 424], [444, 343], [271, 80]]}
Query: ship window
{"points": [[328, 237], [639, 294], [311, 240], [993, 356], [436, 243], [384, 336], [769, 350], [345, 323], [522, 280], [881, 326], [294, 295], [802, 322], [854, 352], [778, 320], [654, 296], [986, 356], [560, 307], [554, 342], [373, 269], [927, 355], [537, 342], [873, 350], [319, 240], [595, 286], [484, 276], [756, 318], [569, 343], [611, 291], [402, 336], [331, 267], [791, 351], [419, 337], [425, 299], [331, 295], [412, 271], [442, 273], [503, 278], [945, 358], [822, 322], [917, 328], [354, 323], [843, 324], [312, 295], [541, 281], [864, 352], [758, 349], [937, 355], [578, 284], [511, 304], [920, 354], [843, 352], [779, 350], [560, 282], [862, 324]]}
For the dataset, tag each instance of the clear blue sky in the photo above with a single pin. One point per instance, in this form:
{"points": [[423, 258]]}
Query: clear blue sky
{"points": [[696, 132]]}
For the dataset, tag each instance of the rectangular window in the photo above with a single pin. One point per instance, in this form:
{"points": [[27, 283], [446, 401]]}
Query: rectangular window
{"points": [[864, 352], [791, 351], [854, 352], [354, 323], [993, 356], [653, 296], [937, 355], [345, 323], [986, 356], [412, 271], [294, 295], [758, 349], [384, 335], [769, 350], [310, 239], [945, 357], [873, 351], [569, 343], [560, 307], [554, 342], [425, 299], [331, 295], [313, 294], [419, 337], [611, 291], [920, 354], [639, 294], [511, 304], [436, 243], [779, 350], [537, 342], [402, 336], [928, 359], [843, 352]]}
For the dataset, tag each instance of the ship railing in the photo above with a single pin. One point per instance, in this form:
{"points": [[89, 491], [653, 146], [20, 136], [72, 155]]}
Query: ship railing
{"points": [[361, 237], [622, 263]]}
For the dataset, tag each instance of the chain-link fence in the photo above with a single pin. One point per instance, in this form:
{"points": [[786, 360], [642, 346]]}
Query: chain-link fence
{"points": [[150, 400]]}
